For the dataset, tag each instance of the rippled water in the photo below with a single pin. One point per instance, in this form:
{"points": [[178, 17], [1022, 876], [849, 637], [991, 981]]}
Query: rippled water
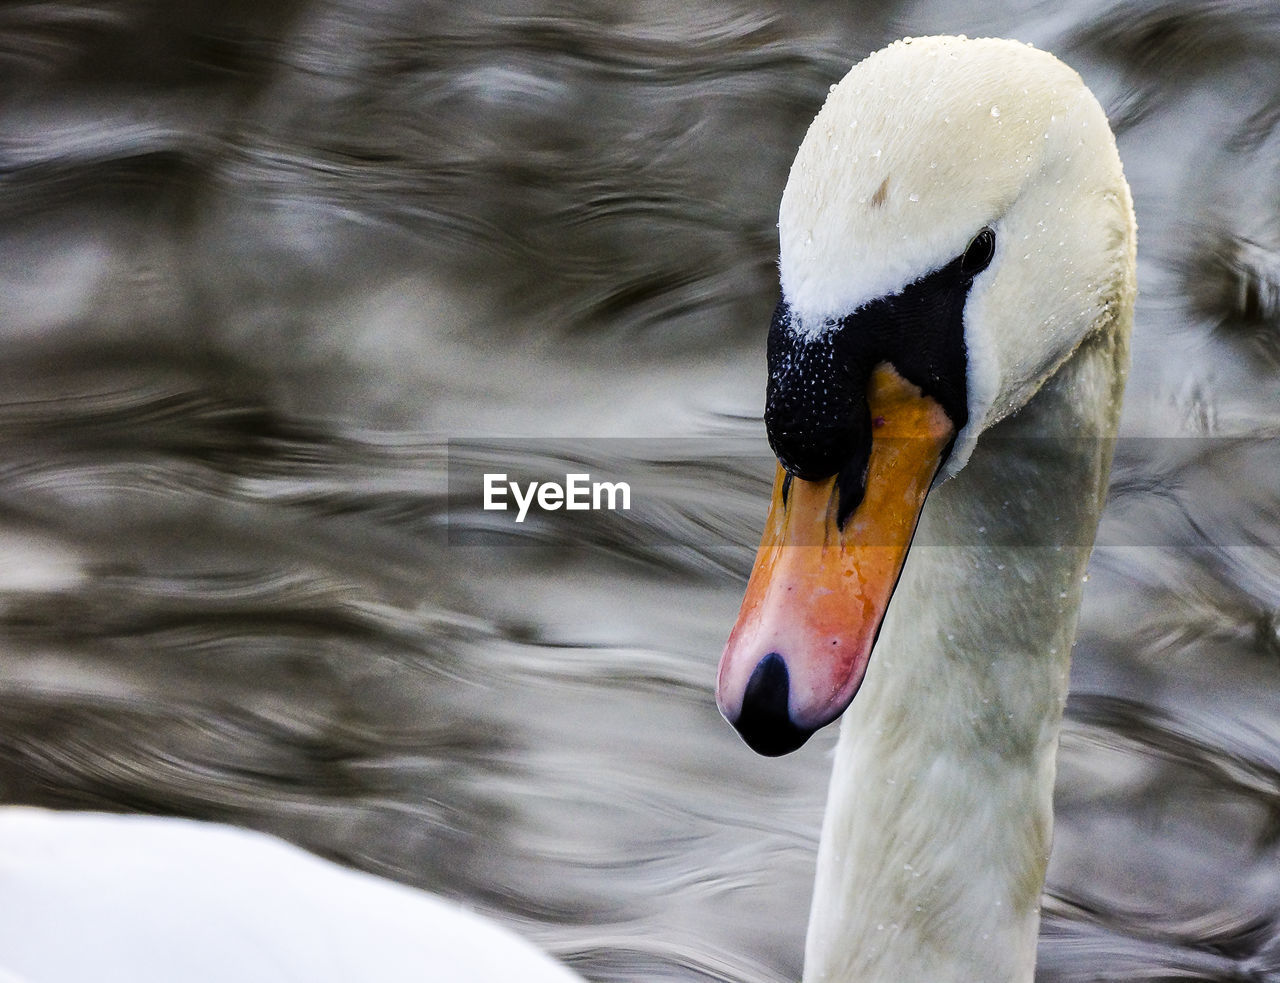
{"points": [[268, 271]]}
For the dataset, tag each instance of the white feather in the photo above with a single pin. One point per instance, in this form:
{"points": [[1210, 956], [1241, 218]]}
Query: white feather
{"points": [[919, 147], [139, 899], [940, 811]]}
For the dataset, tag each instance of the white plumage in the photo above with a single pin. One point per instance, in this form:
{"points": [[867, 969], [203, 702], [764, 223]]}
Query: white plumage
{"points": [[140, 899], [939, 819]]}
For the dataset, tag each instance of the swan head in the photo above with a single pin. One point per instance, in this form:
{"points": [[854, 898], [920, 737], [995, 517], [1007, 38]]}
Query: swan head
{"points": [[955, 223]]}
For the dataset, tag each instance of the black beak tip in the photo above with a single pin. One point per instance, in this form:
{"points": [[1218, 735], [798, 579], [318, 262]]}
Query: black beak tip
{"points": [[765, 722]]}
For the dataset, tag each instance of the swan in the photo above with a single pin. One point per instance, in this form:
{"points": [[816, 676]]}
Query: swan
{"points": [[946, 367], [147, 899]]}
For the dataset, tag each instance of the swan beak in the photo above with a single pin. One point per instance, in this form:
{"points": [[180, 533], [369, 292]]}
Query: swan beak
{"points": [[820, 587]]}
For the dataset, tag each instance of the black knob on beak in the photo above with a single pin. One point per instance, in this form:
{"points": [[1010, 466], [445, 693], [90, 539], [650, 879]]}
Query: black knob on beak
{"points": [[765, 722]]}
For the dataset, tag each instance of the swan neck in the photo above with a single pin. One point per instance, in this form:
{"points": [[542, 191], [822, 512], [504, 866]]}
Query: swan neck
{"points": [[939, 817]]}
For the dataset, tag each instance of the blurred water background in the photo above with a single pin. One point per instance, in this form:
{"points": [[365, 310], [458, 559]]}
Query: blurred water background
{"points": [[267, 269]]}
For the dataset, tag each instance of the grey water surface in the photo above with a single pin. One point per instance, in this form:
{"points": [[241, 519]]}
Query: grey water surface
{"points": [[272, 274]]}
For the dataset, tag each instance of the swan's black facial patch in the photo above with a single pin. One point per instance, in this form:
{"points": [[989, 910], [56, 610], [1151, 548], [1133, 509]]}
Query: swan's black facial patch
{"points": [[816, 409]]}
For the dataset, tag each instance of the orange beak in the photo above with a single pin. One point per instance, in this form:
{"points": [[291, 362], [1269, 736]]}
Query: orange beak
{"points": [[819, 590]]}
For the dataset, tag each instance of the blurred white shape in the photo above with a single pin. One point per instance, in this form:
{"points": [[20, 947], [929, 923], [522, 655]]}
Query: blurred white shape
{"points": [[89, 896]]}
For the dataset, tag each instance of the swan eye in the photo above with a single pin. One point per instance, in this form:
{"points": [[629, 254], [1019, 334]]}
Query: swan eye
{"points": [[978, 254]]}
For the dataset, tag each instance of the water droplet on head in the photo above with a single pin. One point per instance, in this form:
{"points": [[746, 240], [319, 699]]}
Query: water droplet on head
{"points": [[995, 112]]}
